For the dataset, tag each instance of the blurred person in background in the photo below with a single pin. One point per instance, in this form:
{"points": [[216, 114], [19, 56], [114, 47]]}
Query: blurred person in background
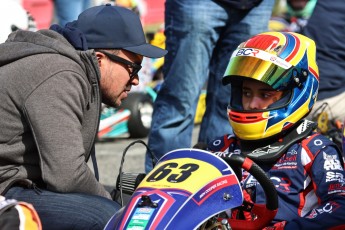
{"points": [[294, 17], [68, 10], [298, 12], [326, 27]]}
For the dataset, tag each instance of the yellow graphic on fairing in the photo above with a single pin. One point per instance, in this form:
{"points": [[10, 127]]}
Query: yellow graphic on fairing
{"points": [[183, 173]]}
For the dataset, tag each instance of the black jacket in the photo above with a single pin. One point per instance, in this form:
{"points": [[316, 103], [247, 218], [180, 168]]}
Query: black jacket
{"points": [[326, 27]]}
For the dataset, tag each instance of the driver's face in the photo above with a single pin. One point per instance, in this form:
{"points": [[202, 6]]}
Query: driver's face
{"points": [[257, 95]]}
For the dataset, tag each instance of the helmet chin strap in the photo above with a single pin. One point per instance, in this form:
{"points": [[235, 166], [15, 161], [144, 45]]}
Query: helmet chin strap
{"points": [[270, 149]]}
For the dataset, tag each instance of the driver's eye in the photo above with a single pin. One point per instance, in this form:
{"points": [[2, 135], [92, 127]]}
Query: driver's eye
{"points": [[246, 93], [266, 95]]}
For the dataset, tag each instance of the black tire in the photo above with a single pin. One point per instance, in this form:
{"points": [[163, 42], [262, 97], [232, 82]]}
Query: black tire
{"points": [[141, 107]]}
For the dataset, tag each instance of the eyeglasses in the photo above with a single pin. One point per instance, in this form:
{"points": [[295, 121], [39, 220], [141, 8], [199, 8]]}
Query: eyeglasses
{"points": [[135, 67]]}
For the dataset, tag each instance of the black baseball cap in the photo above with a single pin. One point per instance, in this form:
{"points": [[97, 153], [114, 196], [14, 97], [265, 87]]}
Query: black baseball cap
{"points": [[115, 27]]}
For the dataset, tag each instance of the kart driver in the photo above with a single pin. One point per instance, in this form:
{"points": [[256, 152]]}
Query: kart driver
{"points": [[274, 83]]}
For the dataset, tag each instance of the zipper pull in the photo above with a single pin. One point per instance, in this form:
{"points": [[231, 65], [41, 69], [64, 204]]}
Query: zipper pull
{"points": [[37, 190]]}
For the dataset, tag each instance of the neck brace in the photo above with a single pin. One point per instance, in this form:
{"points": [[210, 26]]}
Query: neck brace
{"points": [[269, 150]]}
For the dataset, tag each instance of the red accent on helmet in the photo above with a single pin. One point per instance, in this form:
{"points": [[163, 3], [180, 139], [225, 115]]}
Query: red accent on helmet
{"points": [[314, 73], [263, 42], [295, 50], [246, 117]]}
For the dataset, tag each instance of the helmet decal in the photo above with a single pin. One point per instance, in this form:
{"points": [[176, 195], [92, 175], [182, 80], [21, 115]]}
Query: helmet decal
{"points": [[264, 42], [291, 48], [314, 73]]}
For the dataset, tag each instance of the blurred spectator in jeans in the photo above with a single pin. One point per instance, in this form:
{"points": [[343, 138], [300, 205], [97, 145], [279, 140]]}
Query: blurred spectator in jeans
{"points": [[68, 10], [326, 27], [200, 37]]}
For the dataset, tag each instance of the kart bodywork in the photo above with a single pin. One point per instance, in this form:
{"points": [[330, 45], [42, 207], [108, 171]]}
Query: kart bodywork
{"points": [[194, 189]]}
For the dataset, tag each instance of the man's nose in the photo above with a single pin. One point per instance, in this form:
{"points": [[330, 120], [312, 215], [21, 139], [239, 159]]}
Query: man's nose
{"points": [[135, 80]]}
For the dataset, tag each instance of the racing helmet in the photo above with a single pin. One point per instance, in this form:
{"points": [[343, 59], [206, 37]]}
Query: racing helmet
{"points": [[285, 61]]}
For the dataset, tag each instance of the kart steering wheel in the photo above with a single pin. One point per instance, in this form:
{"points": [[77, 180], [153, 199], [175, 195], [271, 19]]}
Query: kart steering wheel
{"points": [[264, 212]]}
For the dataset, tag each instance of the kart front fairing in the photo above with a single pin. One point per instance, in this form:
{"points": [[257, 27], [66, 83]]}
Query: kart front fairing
{"points": [[186, 188]]}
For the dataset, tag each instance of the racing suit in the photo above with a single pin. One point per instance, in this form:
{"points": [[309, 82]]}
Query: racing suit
{"points": [[309, 178]]}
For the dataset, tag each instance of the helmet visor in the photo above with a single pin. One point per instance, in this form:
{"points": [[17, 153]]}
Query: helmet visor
{"points": [[262, 66]]}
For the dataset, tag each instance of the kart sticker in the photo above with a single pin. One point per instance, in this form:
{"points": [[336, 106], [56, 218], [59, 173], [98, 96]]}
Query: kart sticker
{"points": [[140, 218], [181, 173]]}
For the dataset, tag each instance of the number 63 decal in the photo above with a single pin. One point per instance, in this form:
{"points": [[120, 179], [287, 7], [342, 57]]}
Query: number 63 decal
{"points": [[165, 171]]}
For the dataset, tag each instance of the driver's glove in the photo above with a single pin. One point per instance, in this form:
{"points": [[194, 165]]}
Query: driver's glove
{"points": [[276, 226], [243, 212]]}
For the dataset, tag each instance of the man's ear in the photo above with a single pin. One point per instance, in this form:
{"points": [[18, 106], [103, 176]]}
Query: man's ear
{"points": [[99, 57]]}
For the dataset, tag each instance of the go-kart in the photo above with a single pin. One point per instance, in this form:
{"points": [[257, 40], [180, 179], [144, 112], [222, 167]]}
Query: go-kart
{"points": [[194, 189]]}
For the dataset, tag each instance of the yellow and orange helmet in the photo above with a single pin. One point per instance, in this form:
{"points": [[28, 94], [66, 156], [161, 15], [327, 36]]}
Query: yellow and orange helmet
{"points": [[286, 61]]}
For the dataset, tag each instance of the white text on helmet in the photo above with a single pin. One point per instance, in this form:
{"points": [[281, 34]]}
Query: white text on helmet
{"points": [[262, 55]]}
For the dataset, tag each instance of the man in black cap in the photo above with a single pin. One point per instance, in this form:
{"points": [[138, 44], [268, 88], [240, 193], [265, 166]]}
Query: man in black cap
{"points": [[52, 84]]}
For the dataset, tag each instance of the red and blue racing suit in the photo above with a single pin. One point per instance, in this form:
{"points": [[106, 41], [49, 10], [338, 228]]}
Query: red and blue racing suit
{"points": [[309, 178]]}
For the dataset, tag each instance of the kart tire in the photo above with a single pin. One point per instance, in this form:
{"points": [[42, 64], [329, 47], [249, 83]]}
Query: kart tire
{"points": [[141, 107]]}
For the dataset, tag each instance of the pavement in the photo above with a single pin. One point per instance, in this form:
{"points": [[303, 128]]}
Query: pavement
{"points": [[109, 154]]}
